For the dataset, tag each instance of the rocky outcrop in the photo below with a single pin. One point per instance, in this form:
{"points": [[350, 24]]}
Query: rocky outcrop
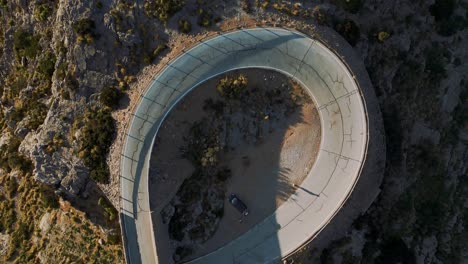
{"points": [[4, 243]]}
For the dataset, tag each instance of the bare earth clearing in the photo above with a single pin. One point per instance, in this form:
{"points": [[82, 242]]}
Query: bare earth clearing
{"points": [[263, 154]]}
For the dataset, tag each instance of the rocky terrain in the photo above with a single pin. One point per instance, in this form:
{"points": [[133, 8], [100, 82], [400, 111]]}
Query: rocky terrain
{"points": [[67, 83]]}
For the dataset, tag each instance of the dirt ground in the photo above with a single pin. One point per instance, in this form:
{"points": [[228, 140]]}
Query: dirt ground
{"points": [[263, 174]]}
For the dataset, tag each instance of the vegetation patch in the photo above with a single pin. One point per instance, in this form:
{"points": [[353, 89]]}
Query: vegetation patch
{"points": [[85, 29], [349, 30], [42, 11], [26, 44], [232, 87], [97, 134], [185, 26], [352, 6], [46, 65], [11, 159], [109, 209], [68, 235], [447, 23], [162, 9], [110, 97]]}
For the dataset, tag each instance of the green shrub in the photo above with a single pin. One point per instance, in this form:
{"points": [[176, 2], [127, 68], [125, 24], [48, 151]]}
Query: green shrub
{"points": [[42, 12], [183, 252], [352, 6], [96, 138], [442, 9], [26, 44], [202, 145], [349, 30], [246, 6], [113, 239], [159, 49], [11, 159], [3, 4], [448, 27], [11, 187], [149, 58], [382, 36], [48, 197], [71, 82], [185, 26], [435, 63], [7, 214], [46, 65], [204, 18], [320, 15], [446, 23], [110, 97], [17, 161], [111, 212], [37, 113], [163, 9], [232, 87], [85, 29], [394, 250], [99, 171]]}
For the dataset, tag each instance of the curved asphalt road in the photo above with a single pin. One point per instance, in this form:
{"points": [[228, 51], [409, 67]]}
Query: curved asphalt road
{"points": [[336, 170]]}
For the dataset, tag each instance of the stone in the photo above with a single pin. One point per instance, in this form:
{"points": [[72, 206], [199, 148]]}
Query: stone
{"points": [[44, 224]]}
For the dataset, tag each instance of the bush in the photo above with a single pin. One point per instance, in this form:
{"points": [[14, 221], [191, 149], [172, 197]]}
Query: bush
{"points": [[85, 30], [10, 158], [232, 87], [352, 6], [435, 64], [37, 113], [159, 49], [394, 250], [185, 26], [223, 174], [11, 187], [46, 65], [349, 30], [113, 239], [26, 44], [204, 18], [448, 27], [442, 9], [100, 171], [7, 214], [149, 58], [111, 212], [48, 197], [96, 138], [110, 97], [320, 15], [71, 82], [182, 252], [163, 9], [3, 4], [246, 6], [447, 24], [42, 12], [382, 36]]}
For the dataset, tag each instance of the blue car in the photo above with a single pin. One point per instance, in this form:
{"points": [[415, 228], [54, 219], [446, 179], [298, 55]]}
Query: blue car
{"points": [[238, 204]]}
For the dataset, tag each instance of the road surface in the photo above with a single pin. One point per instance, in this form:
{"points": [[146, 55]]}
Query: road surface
{"points": [[342, 153]]}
